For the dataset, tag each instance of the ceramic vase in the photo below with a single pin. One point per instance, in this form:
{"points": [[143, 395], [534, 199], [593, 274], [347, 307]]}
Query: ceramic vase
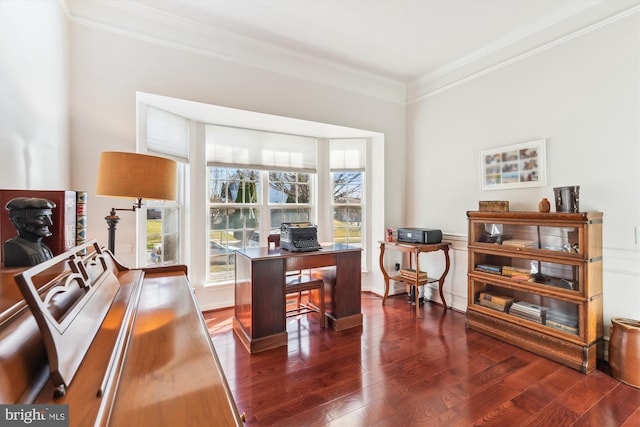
{"points": [[544, 205]]}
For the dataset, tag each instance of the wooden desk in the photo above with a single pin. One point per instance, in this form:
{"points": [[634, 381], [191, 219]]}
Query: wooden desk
{"points": [[259, 320], [414, 250]]}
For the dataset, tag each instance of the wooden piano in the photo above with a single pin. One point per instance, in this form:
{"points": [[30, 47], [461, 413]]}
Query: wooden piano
{"points": [[120, 346]]}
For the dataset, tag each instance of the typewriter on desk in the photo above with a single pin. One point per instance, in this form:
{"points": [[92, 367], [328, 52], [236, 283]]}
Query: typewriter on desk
{"points": [[299, 236]]}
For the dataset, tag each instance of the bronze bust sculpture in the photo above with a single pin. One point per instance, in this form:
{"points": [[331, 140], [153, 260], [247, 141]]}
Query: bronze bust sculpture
{"points": [[32, 218]]}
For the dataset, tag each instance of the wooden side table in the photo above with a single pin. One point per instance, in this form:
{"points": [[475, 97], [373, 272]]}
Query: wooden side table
{"points": [[414, 250]]}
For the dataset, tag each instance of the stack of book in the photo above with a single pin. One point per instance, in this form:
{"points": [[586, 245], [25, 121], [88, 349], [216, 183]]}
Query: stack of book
{"points": [[520, 243], [409, 275], [567, 322], [495, 301], [516, 272], [525, 310], [489, 268]]}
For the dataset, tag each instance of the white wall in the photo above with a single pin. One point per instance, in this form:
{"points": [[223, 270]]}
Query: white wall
{"points": [[34, 149], [107, 69], [583, 97]]}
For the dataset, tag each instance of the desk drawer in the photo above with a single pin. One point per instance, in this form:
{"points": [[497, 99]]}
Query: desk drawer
{"points": [[310, 261]]}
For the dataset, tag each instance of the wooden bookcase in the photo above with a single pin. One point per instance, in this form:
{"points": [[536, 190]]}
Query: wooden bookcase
{"points": [[535, 281]]}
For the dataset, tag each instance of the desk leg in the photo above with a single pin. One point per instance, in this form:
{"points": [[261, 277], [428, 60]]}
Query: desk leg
{"points": [[444, 274], [384, 273]]}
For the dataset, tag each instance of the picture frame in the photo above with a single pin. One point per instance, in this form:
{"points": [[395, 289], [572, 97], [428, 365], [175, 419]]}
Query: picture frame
{"points": [[514, 166]]}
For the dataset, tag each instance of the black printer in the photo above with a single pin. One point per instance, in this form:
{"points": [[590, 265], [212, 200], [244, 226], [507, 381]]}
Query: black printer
{"points": [[419, 235], [299, 236]]}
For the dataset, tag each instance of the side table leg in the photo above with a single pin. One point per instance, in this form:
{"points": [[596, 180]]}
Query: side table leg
{"points": [[384, 274], [417, 283], [444, 274]]}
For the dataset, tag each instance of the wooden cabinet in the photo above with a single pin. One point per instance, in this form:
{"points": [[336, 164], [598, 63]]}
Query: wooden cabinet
{"points": [[535, 281]]}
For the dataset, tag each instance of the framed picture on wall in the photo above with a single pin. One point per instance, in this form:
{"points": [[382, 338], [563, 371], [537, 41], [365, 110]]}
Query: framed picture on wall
{"points": [[514, 166]]}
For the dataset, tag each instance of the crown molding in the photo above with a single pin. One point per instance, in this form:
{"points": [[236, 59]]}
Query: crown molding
{"points": [[569, 23], [150, 25]]}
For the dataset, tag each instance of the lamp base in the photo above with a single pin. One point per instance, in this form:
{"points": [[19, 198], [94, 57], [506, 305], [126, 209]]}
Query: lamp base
{"points": [[112, 221]]}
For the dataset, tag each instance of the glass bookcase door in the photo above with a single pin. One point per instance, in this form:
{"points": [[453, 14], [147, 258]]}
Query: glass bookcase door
{"points": [[529, 237], [530, 271], [519, 305]]}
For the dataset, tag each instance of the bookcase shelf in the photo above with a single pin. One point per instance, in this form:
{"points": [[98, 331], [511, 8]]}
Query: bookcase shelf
{"points": [[535, 281]]}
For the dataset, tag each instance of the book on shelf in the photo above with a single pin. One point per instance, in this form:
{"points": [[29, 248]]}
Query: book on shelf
{"points": [[411, 271], [81, 219], [564, 318], [530, 307], [495, 306], [562, 283], [489, 268], [525, 310], [495, 301], [537, 319], [410, 274], [516, 272], [563, 327], [520, 243], [495, 298]]}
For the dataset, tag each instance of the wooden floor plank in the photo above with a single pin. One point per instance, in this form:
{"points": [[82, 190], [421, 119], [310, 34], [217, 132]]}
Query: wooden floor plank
{"points": [[614, 409], [398, 370]]}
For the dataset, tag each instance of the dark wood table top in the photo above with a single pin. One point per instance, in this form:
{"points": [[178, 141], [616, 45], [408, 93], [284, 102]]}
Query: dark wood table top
{"points": [[264, 252]]}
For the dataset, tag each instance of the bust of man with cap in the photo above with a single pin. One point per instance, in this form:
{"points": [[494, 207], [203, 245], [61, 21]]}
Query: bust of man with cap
{"points": [[32, 218]]}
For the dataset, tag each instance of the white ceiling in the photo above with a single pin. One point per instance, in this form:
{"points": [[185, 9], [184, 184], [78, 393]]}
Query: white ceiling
{"points": [[398, 39], [399, 42]]}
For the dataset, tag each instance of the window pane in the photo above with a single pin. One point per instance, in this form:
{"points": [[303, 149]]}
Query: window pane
{"points": [[347, 225], [218, 218], [284, 188], [278, 216], [170, 223], [232, 191], [303, 193], [163, 238], [251, 217], [275, 176], [251, 238], [347, 187], [248, 188], [348, 216], [170, 249], [235, 217], [234, 185]]}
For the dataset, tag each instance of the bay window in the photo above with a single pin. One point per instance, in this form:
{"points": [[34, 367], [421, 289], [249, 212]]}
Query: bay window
{"points": [[252, 182]]}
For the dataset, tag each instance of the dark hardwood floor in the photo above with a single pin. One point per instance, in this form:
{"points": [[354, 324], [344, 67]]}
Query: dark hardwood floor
{"points": [[397, 370]]}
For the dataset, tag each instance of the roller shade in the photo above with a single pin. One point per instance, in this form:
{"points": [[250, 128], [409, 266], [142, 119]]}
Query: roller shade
{"points": [[348, 154], [167, 134], [247, 148]]}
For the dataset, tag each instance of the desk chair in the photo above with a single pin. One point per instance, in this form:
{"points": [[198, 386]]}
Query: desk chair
{"points": [[297, 282]]}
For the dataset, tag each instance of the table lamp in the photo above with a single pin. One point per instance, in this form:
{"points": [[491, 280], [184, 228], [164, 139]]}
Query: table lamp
{"points": [[136, 176]]}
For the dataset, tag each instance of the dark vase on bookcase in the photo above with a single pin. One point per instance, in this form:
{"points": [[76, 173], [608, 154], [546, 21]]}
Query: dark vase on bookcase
{"points": [[539, 286]]}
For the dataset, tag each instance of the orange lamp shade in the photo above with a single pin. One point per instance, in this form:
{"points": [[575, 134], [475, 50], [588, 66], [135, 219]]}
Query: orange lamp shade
{"points": [[136, 176]]}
